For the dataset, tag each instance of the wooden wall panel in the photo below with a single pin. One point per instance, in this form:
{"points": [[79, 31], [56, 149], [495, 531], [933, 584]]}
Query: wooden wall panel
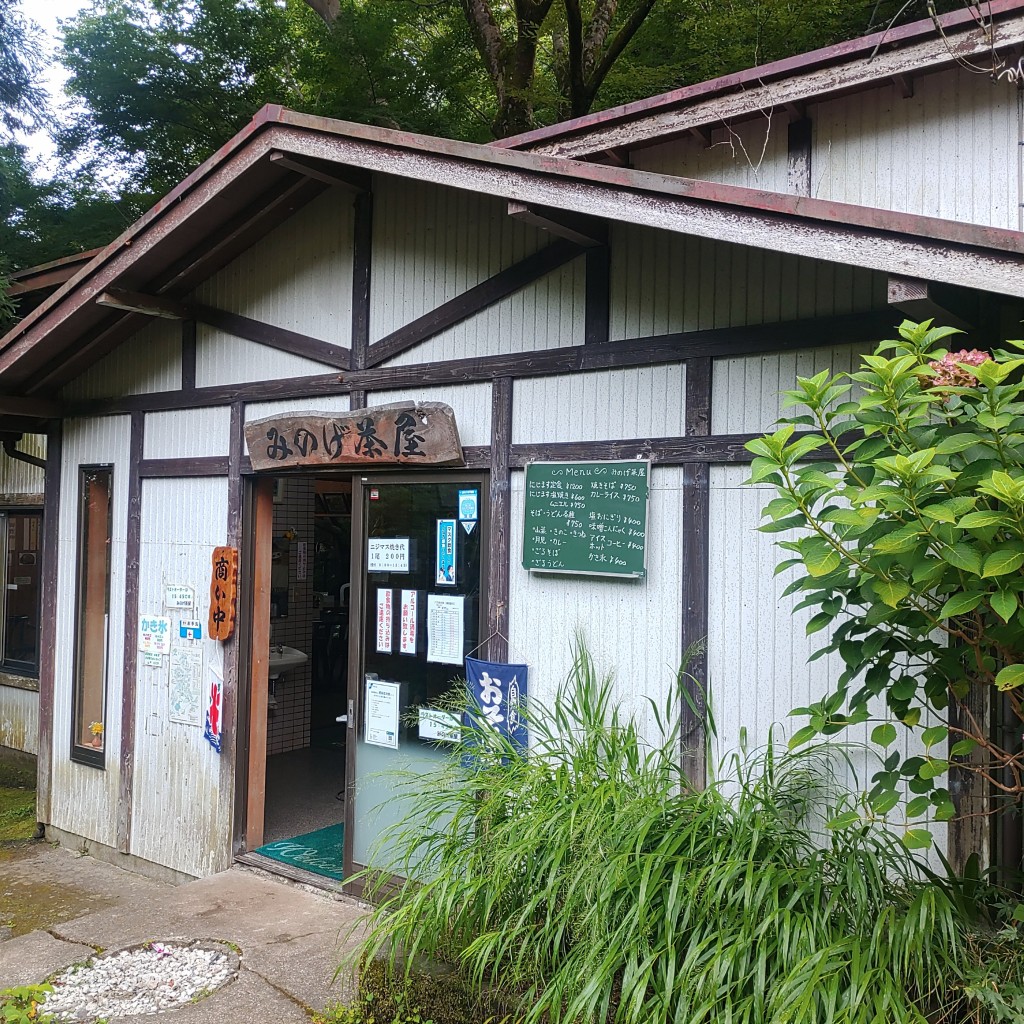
{"points": [[19, 719], [187, 433]]}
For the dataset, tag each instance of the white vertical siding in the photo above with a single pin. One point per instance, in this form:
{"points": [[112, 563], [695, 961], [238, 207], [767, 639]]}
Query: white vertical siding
{"points": [[747, 391], [19, 719], [84, 799], [758, 649], [431, 243], [546, 314], [471, 404], [187, 433], [180, 817], [149, 361], [948, 151], [662, 283], [224, 359], [753, 153], [19, 478], [632, 628], [326, 404], [298, 277], [646, 401]]}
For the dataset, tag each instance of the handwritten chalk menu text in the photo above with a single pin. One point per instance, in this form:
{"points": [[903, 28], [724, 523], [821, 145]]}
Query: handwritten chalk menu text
{"points": [[586, 517], [401, 434]]}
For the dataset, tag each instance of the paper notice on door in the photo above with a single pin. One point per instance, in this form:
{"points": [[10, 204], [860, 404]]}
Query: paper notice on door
{"points": [[407, 623], [446, 539], [381, 726], [445, 628], [384, 617]]}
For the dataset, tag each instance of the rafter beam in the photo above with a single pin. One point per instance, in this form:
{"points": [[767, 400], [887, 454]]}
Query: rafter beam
{"points": [[924, 300], [584, 231], [149, 305], [350, 178], [32, 407]]}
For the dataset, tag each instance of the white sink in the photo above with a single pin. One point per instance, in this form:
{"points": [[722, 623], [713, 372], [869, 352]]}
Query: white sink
{"points": [[282, 659]]}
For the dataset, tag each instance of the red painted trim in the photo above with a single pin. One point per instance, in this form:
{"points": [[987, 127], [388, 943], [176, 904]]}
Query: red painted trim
{"points": [[828, 56]]}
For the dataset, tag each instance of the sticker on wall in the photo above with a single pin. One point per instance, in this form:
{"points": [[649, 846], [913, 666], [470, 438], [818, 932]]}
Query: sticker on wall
{"points": [[152, 660], [155, 634], [445, 574], [186, 689], [407, 623], [300, 561], [382, 706], [384, 618], [387, 554], [177, 595], [214, 697], [190, 629], [468, 506], [445, 628]]}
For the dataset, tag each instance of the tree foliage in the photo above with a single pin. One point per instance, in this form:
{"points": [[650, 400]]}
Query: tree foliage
{"points": [[908, 542], [21, 98]]}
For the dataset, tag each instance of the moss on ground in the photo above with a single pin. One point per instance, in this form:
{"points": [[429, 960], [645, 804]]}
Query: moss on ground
{"points": [[17, 802]]}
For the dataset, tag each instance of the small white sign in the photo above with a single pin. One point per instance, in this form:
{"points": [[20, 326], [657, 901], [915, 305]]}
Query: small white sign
{"points": [[381, 713], [445, 628], [384, 618], [439, 725], [177, 595], [387, 554], [151, 660], [190, 629], [407, 623], [155, 634], [300, 560]]}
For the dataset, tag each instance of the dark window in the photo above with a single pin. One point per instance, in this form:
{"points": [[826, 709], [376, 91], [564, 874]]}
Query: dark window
{"points": [[22, 560], [88, 738]]}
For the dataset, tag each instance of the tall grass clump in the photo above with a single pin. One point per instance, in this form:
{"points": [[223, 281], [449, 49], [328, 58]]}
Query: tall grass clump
{"points": [[588, 882]]}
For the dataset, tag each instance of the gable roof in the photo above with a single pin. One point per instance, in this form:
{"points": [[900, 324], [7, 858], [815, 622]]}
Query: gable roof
{"points": [[282, 160], [896, 54]]}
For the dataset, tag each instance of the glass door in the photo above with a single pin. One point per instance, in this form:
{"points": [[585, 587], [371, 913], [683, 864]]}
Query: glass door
{"points": [[419, 575]]}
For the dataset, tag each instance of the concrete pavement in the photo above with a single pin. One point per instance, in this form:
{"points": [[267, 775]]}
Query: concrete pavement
{"points": [[64, 908]]}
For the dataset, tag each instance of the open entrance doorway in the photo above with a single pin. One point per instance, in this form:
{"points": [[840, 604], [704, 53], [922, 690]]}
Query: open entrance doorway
{"points": [[369, 591]]}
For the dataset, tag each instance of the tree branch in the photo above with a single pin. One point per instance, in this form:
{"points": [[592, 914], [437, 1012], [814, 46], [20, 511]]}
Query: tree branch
{"points": [[489, 41], [328, 10], [597, 33], [611, 55]]}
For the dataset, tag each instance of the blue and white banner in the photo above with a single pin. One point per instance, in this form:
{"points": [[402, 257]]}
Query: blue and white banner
{"points": [[500, 694]]}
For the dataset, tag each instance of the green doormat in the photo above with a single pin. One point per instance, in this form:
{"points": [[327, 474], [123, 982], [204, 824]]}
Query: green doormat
{"points": [[319, 851]]}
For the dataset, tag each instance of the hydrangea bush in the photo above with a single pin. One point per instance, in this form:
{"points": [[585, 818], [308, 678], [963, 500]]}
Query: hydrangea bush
{"points": [[902, 510]]}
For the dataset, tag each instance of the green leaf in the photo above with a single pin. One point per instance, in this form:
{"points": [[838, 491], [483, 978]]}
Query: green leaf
{"points": [[962, 747], [912, 717], [801, 736], [956, 443], [819, 622], [961, 604], [844, 820], [945, 811], [821, 559], [1004, 604], [999, 563], [891, 591], [918, 806], [986, 517], [932, 769], [917, 839], [883, 734], [964, 556], [883, 803], [1010, 678], [936, 734]]}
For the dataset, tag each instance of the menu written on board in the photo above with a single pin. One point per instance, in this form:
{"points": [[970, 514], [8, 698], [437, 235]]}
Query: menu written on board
{"points": [[586, 517]]}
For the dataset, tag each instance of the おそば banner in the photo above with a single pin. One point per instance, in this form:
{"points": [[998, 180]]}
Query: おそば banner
{"points": [[500, 694]]}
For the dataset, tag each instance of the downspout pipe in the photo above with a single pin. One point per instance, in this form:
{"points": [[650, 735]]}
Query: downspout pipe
{"points": [[10, 447]]}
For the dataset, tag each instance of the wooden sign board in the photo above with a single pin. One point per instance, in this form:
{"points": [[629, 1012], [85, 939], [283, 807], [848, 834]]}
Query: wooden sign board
{"points": [[587, 518], [223, 593], [402, 434]]}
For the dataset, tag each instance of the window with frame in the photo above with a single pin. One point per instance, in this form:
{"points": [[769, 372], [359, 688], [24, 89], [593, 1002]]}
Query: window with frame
{"points": [[92, 619], [22, 563]]}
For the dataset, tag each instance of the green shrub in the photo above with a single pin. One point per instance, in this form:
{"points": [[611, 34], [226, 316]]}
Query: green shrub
{"points": [[586, 884], [23, 1005]]}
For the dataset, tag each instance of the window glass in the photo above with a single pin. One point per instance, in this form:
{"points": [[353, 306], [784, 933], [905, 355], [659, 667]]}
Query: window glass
{"points": [[21, 593], [89, 720]]}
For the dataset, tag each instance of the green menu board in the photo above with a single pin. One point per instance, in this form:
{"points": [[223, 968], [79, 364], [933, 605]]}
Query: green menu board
{"points": [[586, 517]]}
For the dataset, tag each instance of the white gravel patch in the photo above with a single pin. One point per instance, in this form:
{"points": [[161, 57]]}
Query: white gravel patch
{"points": [[153, 978]]}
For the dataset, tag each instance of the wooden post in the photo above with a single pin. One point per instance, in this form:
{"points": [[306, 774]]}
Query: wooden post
{"points": [[696, 502], [500, 520], [259, 653], [362, 249]]}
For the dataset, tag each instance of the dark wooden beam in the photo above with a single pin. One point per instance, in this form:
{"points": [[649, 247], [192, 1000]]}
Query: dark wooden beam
{"points": [[702, 133], [904, 85], [474, 300], [799, 174], [273, 337], [148, 305], [206, 465], [597, 327], [235, 708], [499, 544], [351, 178], [48, 623], [362, 265], [129, 668], [188, 355], [696, 501], [33, 407], [924, 300], [662, 451], [577, 228]]}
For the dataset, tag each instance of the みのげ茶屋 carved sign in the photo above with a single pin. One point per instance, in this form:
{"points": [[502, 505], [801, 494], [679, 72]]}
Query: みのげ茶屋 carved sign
{"points": [[403, 434]]}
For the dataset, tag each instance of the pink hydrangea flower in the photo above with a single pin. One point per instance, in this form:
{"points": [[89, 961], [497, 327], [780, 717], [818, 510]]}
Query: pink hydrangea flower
{"points": [[950, 373]]}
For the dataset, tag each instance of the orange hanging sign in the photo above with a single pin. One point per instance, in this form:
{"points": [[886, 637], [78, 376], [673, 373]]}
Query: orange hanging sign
{"points": [[223, 593]]}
